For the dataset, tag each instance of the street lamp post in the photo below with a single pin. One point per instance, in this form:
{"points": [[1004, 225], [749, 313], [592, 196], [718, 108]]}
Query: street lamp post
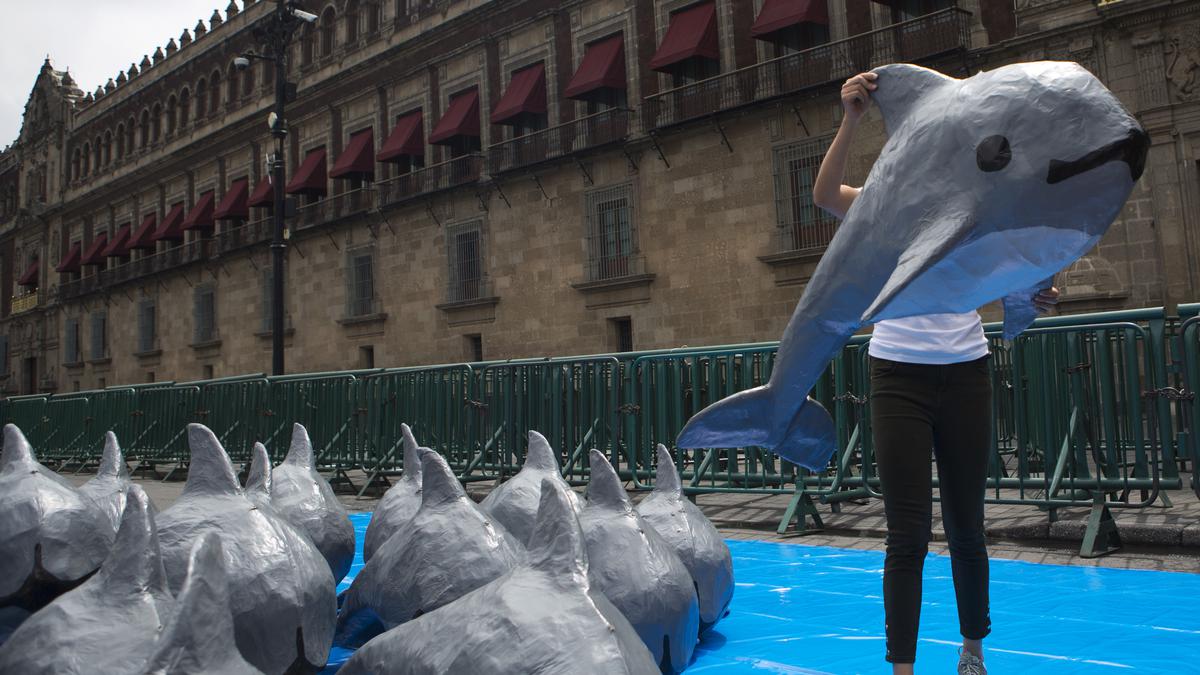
{"points": [[275, 34]]}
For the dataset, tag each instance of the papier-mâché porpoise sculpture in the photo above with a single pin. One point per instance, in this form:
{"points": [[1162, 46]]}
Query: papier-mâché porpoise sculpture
{"points": [[400, 503], [304, 498], [447, 550], [52, 538], [515, 502], [986, 188], [697, 543], [109, 624], [638, 571], [544, 617], [285, 605]]}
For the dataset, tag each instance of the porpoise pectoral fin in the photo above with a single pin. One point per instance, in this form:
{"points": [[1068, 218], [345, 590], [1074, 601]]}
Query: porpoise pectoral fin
{"points": [[942, 229], [300, 453], [740, 420], [811, 438], [209, 471], [1019, 310]]}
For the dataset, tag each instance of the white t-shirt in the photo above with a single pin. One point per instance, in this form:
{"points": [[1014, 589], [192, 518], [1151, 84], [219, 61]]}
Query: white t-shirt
{"points": [[933, 339]]}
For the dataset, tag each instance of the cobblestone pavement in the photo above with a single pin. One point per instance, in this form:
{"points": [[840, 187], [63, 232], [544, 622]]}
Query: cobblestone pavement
{"points": [[1156, 537]]}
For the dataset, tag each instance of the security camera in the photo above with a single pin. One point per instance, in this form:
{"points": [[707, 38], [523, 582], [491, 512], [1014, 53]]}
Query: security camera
{"points": [[241, 63], [304, 16]]}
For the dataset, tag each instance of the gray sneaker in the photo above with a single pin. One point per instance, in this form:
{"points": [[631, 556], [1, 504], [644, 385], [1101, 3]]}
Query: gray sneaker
{"points": [[969, 664]]}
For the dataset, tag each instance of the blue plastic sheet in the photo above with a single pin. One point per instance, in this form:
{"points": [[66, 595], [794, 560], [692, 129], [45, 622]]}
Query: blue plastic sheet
{"points": [[810, 610]]}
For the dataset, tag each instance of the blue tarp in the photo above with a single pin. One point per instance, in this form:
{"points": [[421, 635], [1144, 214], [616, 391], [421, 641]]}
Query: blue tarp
{"points": [[804, 610]]}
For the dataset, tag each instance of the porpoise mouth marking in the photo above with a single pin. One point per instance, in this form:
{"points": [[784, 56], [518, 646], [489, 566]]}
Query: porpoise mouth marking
{"points": [[1131, 150]]}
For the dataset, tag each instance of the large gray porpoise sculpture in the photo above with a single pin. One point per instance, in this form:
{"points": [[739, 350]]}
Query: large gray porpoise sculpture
{"points": [[542, 617], [514, 503], [684, 526], [638, 571], [199, 639], [447, 550], [51, 537], [305, 499], [400, 503], [110, 622], [107, 489], [285, 605], [986, 188], [258, 480]]}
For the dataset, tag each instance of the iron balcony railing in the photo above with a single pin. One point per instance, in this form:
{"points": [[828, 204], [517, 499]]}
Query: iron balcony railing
{"points": [[334, 208], [246, 234], [615, 266], [433, 178], [24, 302], [539, 146], [918, 39]]}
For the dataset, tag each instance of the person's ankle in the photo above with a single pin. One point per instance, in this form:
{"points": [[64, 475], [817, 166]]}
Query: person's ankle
{"points": [[974, 647], [902, 669]]}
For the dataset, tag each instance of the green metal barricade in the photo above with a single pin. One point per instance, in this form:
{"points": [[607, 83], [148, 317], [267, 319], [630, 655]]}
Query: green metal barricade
{"points": [[164, 414], [29, 414]]}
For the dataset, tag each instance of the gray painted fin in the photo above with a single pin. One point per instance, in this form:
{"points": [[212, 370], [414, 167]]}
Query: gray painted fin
{"points": [[605, 488], [666, 476], [112, 463], [901, 87], [210, 471], [16, 448], [259, 479], [540, 455], [439, 485], [1019, 310], [950, 224], [301, 451], [556, 545], [136, 560], [412, 458]]}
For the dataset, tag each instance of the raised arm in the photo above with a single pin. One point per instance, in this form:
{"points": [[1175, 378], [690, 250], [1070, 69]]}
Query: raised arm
{"points": [[828, 191]]}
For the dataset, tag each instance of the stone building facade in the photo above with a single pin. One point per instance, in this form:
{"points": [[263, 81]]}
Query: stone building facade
{"points": [[476, 179]]}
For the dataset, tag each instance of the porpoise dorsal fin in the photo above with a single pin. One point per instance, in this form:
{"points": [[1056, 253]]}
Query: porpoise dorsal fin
{"points": [[16, 448], [200, 635], [135, 560], [556, 545], [210, 471], [259, 478], [604, 487], [412, 457], [666, 477], [112, 463], [901, 89], [300, 453], [540, 455], [439, 485]]}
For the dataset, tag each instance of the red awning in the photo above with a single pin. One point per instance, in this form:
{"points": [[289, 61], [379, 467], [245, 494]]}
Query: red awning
{"points": [[779, 14], [70, 261], [603, 66], [233, 205], [263, 195], [310, 177], [119, 246], [170, 228], [526, 93], [461, 118], [692, 33], [94, 255], [30, 277], [143, 237], [358, 157], [201, 215], [405, 140]]}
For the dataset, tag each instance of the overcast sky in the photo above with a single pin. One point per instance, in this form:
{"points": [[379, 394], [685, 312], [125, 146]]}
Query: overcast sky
{"points": [[94, 39]]}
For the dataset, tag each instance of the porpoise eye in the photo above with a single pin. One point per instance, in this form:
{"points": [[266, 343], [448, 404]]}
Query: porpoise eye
{"points": [[993, 153]]}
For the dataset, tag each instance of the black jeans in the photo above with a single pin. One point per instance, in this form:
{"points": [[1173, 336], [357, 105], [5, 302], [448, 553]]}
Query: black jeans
{"points": [[949, 409]]}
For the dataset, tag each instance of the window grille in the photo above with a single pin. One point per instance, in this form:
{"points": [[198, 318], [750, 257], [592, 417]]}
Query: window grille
{"points": [[99, 346], [801, 224], [464, 251], [360, 290], [3, 355], [611, 233], [204, 312], [71, 338], [147, 326]]}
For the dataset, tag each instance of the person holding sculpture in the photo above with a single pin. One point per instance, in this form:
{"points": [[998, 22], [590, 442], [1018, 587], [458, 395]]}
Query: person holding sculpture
{"points": [[930, 388]]}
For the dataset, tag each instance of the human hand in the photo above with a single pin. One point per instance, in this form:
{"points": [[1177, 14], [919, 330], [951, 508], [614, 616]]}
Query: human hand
{"points": [[856, 95], [1046, 299]]}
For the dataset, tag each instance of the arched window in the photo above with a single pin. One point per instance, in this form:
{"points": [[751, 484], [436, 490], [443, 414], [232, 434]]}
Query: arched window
{"points": [[306, 45], [231, 86], [214, 93], [87, 158], [328, 25], [156, 123], [144, 129], [371, 13], [75, 164], [108, 148], [351, 22], [201, 99], [120, 141], [172, 109], [185, 108], [97, 148], [248, 82], [130, 130], [268, 73]]}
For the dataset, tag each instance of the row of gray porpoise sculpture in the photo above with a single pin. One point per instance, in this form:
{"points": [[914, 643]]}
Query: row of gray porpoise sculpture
{"points": [[442, 565], [587, 586]]}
